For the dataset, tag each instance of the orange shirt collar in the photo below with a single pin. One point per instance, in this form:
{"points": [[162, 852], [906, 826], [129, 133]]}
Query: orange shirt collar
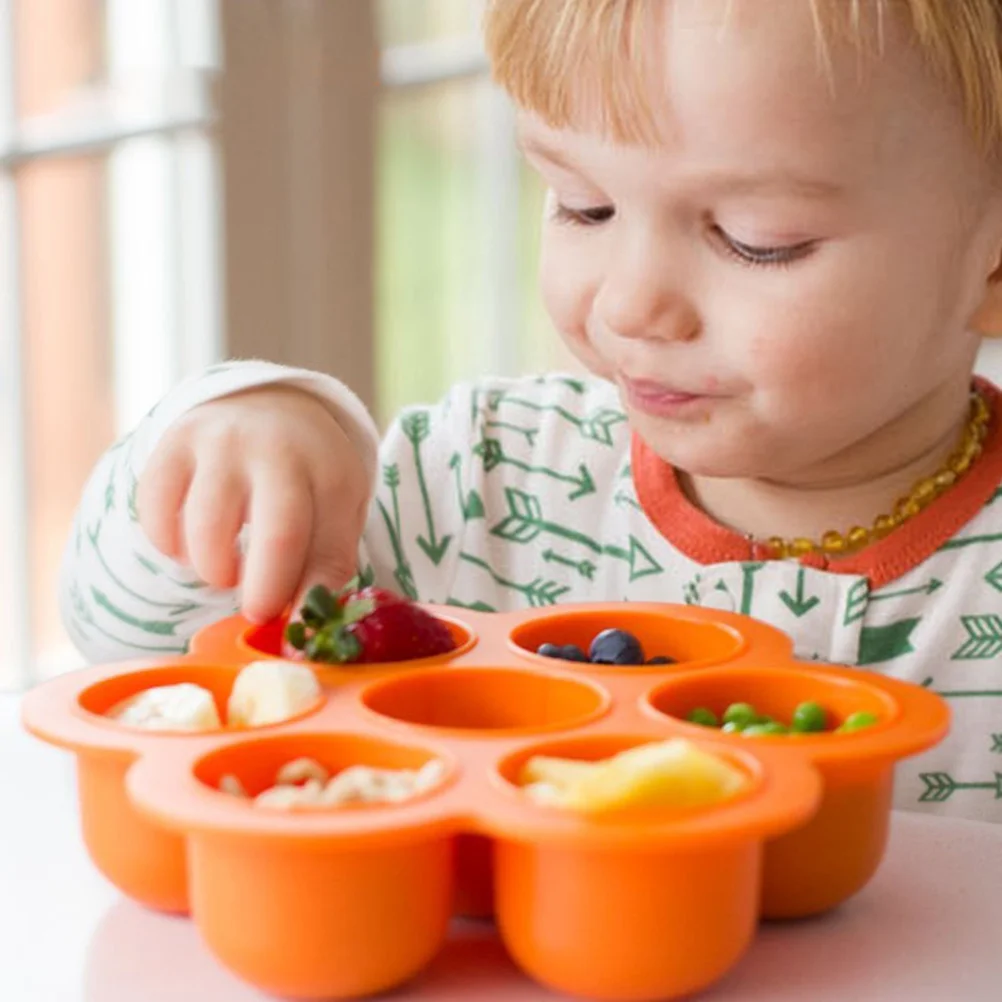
{"points": [[695, 534]]}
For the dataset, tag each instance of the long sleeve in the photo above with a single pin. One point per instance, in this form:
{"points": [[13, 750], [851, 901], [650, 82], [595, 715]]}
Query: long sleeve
{"points": [[120, 597]]}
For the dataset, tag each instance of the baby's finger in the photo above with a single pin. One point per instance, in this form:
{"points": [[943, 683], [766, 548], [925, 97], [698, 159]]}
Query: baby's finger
{"points": [[281, 516], [160, 498], [333, 555], [214, 512]]}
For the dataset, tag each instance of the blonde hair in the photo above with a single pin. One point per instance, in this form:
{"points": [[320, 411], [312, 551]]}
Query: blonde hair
{"points": [[544, 52]]}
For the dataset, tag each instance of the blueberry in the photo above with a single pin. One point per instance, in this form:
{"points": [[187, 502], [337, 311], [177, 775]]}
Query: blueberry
{"points": [[549, 651], [661, 659], [616, 647], [571, 652]]}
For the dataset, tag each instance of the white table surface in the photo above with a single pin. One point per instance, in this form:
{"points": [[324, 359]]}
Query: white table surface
{"points": [[928, 929]]}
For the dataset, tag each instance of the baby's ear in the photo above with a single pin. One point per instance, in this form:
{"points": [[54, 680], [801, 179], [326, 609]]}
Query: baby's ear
{"points": [[987, 318]]}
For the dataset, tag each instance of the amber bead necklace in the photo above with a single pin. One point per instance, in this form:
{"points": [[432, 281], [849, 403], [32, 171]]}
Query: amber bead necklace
{"points": [[837, 544]]}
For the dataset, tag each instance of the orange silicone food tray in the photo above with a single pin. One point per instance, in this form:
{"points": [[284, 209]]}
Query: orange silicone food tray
{"points": [[351, 901]]}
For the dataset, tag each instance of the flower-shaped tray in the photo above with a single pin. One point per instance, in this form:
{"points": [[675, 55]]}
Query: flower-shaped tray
{"points": [[351, 901]]}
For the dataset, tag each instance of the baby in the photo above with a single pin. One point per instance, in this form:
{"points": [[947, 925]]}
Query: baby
{"points": [[773, 237]]}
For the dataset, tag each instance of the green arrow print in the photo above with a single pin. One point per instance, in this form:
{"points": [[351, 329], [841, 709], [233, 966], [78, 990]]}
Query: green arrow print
{"points": [[984, 638], [597, 427], [416, 427], [884, 643], [171, 608], [856, 600], [799, 604], [157, 571], [528, 433], [537, 592], [584, 567], [963, 693], [941, 786], [84, 615], [994, 577], [525, 522], [576, 385], [933, 584], [624, 499], [157, 627], [471, 504], [491, 451], [403, 574]]}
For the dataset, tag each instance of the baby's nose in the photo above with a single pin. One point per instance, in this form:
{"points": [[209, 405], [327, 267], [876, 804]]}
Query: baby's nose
{"points": [[642, 300]]}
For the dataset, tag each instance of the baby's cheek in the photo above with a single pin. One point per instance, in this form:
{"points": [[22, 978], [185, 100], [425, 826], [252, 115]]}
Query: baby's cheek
{"points": [[800, 364], [568, 291], [564, 291]]}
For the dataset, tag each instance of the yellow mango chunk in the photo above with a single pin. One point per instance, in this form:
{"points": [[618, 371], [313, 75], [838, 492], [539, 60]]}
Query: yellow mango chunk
{"points": [[554, 771], [673, 773]]}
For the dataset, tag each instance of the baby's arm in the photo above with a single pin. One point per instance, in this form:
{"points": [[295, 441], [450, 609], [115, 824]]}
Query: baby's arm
{"points": [[119, 595]]}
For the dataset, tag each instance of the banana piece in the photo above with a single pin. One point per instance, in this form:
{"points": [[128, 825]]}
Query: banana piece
{"points": [[429, 775], [544, 794], [231, 784], [182, 707], [268, 692], [673, 773], [367, 785], [299, 771], [286, 798], [557, 772]]}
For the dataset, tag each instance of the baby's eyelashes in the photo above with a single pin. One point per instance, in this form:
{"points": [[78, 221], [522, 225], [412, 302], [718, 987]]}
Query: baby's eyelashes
{"points": [[591, 216], [762, 255]]}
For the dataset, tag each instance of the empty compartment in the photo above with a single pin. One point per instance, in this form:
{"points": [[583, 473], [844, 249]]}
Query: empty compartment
{"points": [[660, 634], [488, 700]]}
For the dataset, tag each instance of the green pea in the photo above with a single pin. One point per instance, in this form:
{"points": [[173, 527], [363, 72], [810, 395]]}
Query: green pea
{"points": [[730, 728], [701, 715], [810, 718], [856, 722], [765, 730], [742, 714]]}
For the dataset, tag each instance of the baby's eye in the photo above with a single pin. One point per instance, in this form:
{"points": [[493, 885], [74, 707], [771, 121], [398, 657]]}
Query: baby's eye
{"points": [[750, 254], [584, 217]]}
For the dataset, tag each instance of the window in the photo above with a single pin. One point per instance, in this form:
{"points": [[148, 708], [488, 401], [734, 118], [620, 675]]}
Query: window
{"points": [[108, 272], [457, 213]]}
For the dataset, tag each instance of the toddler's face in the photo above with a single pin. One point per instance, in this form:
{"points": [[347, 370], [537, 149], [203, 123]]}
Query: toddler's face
{"points": [[792, 267]]}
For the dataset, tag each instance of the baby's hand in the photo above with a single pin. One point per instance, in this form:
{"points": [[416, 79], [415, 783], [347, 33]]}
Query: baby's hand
{"points": [[277, 459]]}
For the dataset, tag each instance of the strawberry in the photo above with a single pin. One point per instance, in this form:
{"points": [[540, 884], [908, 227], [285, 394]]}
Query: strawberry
{"points": [[365, 626]]}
